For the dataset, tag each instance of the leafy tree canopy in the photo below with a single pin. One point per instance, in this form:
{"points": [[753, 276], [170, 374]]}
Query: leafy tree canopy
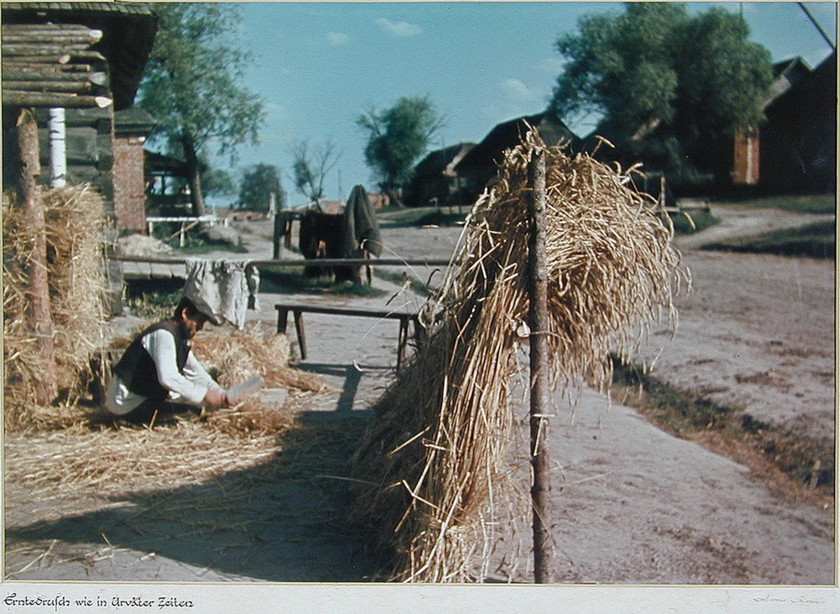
{"points": [[397, 137], [656, 70], [191, 83], [257, 184]]}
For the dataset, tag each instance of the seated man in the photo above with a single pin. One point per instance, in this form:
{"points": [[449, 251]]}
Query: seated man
{"points": [[158, 372]]}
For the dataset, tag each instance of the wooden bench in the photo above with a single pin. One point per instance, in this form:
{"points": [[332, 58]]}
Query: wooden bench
{"points": [[298, 310]]}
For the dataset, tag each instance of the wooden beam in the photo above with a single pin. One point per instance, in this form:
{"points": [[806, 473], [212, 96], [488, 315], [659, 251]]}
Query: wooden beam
{"points": [[18, 64], [539, 370], [40, 49], [87, 37], [38, 316], [67, 87], [18, 98], [45, 27], [11, 77]]}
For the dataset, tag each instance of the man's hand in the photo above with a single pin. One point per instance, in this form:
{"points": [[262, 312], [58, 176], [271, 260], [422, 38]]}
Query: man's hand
{"points": [[215, 398]]}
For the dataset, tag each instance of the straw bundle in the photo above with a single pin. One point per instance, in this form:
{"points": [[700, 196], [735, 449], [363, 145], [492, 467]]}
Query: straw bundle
{"points": [[434, 459], [74, 219]]}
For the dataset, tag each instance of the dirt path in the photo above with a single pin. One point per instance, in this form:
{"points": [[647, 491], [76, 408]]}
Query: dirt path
{"points": [[632, 504]]}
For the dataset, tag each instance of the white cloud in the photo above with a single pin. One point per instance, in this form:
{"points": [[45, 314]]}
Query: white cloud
{"points": [[516, 90], [401, 29], [275, 112], [337, 38]]}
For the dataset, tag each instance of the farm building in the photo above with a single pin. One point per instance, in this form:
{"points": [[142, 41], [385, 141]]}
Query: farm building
{"points": [[78, 65], [481, 163], [798, 140], [434, 180], [112, 68]]}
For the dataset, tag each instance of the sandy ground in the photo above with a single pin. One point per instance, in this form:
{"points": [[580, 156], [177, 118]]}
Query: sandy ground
{"points": [[632, 504]]}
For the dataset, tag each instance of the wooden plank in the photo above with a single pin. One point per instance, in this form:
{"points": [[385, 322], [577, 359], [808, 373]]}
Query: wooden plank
{"points": [[345, 311]]}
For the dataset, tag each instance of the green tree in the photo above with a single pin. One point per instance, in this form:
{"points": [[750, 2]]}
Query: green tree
{"points": [[191, 85], [217, 182], [663, 80], [258, 183], [397, 137], [309, 168]]}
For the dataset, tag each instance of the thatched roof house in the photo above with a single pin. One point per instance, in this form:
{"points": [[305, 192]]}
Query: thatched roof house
{"points": [[434, 179], [480, 164]]}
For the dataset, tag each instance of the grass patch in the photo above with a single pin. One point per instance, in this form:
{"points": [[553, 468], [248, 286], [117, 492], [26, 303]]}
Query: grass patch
{"points": [[802, 467], [700, 220], [153, 299], [291, 280], [424, 216], [808, 203], [193, 242], [400, 278], [816, 240]]}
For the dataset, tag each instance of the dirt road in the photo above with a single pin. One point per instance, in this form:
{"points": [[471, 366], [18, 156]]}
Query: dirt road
{"points": [[632, 504]]}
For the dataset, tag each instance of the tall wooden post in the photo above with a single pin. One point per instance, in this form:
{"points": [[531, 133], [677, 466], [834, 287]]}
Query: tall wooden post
{"points": [[39, 316], [538, 314], [279, 226]]}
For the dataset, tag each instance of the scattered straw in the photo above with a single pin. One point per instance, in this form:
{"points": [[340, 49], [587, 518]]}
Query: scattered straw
{"points": [[437, 449]]}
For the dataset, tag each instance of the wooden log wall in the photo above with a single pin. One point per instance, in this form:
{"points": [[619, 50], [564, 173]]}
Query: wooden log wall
{"points": [[52, 65]]}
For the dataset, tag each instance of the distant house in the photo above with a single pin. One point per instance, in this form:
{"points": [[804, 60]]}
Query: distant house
{"points": [[746, 163], [798, 140], [434, 180], [378, 200], [480, 164]]}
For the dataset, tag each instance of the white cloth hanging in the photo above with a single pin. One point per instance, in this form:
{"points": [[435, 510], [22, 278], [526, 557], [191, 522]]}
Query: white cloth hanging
{"points": [[227, 288]]}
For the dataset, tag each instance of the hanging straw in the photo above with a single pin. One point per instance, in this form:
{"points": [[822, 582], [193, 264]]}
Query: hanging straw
{"points": [[434, 460]]}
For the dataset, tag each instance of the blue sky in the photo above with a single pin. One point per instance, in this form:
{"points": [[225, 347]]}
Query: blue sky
{"points": [[318, 66]]}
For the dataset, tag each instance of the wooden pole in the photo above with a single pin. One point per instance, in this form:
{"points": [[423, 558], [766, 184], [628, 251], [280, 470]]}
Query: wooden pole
{"points": [[39, 316], [538, 314]]}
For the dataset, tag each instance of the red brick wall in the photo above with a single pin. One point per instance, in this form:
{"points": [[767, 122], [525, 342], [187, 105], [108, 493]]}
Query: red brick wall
{"points": [[129, 184]]}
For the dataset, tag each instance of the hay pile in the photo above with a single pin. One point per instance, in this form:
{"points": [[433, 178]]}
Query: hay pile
{"points": [[74, 218], [434, 459], [237, 355]]}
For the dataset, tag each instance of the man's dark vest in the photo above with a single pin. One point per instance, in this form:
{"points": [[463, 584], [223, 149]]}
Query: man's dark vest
{"points": [[137, 369]]}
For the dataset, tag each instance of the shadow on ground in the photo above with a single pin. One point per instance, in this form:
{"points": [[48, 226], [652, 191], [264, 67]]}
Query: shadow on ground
{"points": [[284, 521]]}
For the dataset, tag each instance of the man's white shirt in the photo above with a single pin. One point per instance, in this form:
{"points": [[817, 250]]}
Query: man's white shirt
{"points": [[191, 386]]}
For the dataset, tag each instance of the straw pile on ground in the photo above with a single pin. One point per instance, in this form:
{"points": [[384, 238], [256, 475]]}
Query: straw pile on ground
{"points": [[433, 462], [74, 219], [90, 453]]}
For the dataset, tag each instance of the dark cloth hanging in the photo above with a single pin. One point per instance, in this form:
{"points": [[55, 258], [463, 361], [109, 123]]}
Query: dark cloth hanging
{"points": [[361, 230]]}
